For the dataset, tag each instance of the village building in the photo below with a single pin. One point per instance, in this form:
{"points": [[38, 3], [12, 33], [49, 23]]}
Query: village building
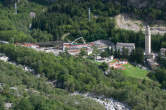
{"points": [[29, 45], [152, 63], [3, 57], [163, 51], [129, 46], [103, 44], [75, 49]]}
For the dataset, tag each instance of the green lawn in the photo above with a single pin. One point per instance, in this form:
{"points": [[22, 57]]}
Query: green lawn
{"points": [[135, 72], [113, 61]]}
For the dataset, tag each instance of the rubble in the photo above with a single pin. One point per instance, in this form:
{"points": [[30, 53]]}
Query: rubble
{"points": [[108, 103]]}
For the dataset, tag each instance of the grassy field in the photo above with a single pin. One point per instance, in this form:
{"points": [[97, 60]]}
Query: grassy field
{"points": [[113, 61], [135, 72]]}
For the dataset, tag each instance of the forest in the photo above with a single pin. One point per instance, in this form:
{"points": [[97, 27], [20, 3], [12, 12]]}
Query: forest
{"points": [[70, 17], [52, 22], [27, 92], [79, 74]]}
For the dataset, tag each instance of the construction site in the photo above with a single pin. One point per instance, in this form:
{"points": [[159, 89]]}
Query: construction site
{"points": [[74, 48]]}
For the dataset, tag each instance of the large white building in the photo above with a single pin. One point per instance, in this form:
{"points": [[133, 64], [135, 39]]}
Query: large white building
{"points": [[129, 46], [147, 41]]}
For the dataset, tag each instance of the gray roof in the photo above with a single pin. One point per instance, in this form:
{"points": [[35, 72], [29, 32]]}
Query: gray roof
{"points": [[125, 44], [106, 42], [163, 49]]}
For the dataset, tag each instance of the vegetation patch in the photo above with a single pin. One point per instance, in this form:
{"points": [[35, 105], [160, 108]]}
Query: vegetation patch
{"points": [[135, 72]]}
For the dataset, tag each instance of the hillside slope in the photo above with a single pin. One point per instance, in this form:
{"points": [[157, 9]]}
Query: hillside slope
{"points": [[78, 74], [53, 21], [20, 90]]}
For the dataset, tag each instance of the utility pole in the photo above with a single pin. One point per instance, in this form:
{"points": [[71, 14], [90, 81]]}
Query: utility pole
{"points": [[89, 14], [15, 6]]}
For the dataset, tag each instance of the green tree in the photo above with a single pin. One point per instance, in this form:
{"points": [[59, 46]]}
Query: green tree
{"points": [[24, 104], [95, 52], [5, 25], [139, 55], [1, 104], [159, 75], [8, 2], [83, 52], [104, 66], [106, 53], [41, 36], [125, 53]]}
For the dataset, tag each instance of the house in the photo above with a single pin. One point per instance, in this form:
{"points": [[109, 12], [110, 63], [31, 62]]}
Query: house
{"points": [[129, 46], [30, 45]]}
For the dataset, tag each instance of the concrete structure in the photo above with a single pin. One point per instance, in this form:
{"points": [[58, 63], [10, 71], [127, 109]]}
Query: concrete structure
{"points": [[8, 106], [32, 14], [147, 41], [152, 63], [4, 42], [163, 51], [106, 60], [4, 58], [129, 46]]}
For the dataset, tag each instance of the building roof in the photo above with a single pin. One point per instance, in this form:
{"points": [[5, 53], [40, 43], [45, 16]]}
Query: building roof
{"points": [[30, 45], [125, 44], [163, 49], [100, 42]]}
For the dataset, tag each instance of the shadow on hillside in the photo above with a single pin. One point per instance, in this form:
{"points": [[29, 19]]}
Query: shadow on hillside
{"points": [[43, 2]]}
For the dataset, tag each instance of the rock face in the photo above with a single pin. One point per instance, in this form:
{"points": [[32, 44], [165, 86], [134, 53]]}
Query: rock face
{"points": [[142, 3], [146, 3], [108, 103], [125, 22]]}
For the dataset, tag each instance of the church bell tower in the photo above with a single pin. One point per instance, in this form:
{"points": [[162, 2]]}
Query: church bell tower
{"points": [[147, 41]]}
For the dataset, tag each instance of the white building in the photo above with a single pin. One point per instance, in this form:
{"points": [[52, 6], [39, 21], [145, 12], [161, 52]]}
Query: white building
{"points": [[8, 106], [4, 58], [129, 46]]}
